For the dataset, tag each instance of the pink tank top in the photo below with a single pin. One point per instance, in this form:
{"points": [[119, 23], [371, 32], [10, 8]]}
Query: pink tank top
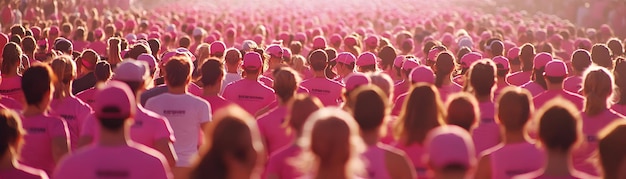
{"points": [[515, 159], [415, 153], [376, 165]]}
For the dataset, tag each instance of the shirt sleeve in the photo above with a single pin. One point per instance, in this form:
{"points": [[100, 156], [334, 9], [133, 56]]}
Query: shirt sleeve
{"points": [[164, 130], [59, 129], [89, 127], [205, 112]]}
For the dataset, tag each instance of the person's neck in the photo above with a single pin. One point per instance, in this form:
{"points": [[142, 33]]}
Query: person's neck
{"points": [[484, 98], [450, 175], [557, 163], [33, 110], [178, 90], [514, 137], [211, 90], [319, 74], [252, 77], [12, 73], [65, 92], [231, 69], [447, 80], [556, 87], [502, 81], [237, 173], [370, 137], [332, 171], [7, 161], [113, 138]]}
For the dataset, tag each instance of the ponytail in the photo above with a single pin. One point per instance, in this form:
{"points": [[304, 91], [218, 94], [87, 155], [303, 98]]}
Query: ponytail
{"points": [[65, 70], [443, 67]]}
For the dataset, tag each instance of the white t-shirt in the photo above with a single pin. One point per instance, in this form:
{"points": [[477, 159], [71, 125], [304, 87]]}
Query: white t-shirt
{"points": [[229, 78], [185, 113]]}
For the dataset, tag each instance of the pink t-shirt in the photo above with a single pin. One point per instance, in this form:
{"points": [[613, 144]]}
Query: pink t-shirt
{"points": [[128, 161], [217, 102], [398, 104], [87, 96], [399, 89], [279, 166], [534, 88], [415, 152], [79, 46], [251, 95], [591, 126], [147, 128], [519, 78], [573, 84], [99, 46], [548, 95], [195, 89], [447, 90], [376, 163], [510, 160], [459, 80], [328, 91], [487, 134], [499, 88], [37, 148], [23, 172], [266, 81], [10, 103], [619, 108], [12, 87], [540, 175], [272, 130], [74, 112]]}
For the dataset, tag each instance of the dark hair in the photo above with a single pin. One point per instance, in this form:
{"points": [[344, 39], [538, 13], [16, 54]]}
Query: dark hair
{"points": [[462, 52], [10, 129], [331, 52], [620, 79], [422, 111], [387, 54], [80, 34], [232, 57], [581, 60], [102, 71], [526, 56], [429, 45], [601, 56], [212, 71], [29, 44], [443, 67], [369, 107], [66, 28], [318, 60], [497, 48], [514, 107], [38, 81], [296, 47], [462, 110], [184, 42], [137, 50], [155, 46], [12, 57], [178, 70], [109, 124], [286, 82], [482, 77], [18, 30], [616, 47], [562, 115]]}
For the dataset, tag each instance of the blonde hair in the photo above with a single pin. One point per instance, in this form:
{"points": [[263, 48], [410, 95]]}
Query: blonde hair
{"points": [[298, 63], [597, 89], [64, 69], [345, 132], [202, 51]]}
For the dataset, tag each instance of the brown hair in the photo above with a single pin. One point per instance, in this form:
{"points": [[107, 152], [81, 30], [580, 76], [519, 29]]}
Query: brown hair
{"points": [[286, 82], [601, 56], [513, 108], [212, 71], [612, 149], [64, 69], [462, 110], [300, 108], [421, 112], [562, 115], [482, 77], [10, 129], [11, 57], [40, 80], [369, 107], [597, 89], [443, 67], [178, 70], [526, 56]]}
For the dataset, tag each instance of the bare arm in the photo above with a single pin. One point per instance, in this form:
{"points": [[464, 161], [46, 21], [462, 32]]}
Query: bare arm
{"points": [[164, 145], [60, 147], [484, 167], [398, 166], [84, 141]]}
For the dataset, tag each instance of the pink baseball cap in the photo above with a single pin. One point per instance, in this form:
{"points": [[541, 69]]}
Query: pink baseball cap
{"points": [[274, 50], [114, 101], [422, 74], [349, 41], [449, 145], [513, 53], [335, 38], [398, 61], [410, 64], [432, 54], [252, 61], [287, 53], [168, 55], [371, 41], [36, 32], [501, 62], [54, 30], [468, 59], [217, 47], [365, 59], [149, 59], [355, 80], [345, 58], [132, 70], [541, 59], [556, 68], [319, 42]]}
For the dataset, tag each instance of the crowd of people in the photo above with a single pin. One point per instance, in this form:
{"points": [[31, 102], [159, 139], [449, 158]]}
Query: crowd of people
{"points": [[307, 89]]}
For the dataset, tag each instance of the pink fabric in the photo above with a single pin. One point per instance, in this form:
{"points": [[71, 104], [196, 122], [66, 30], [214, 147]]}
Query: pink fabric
{"points": [[251, 95], [328, 91], [12, 87], [146, 130], [573, 84], [23, 172], [134, 161], [99, 46], [398, 104], [399, 89], [415, 152], [509, 160], [548, 95], [10, 103], [619, 108], [195, 89], [487, 134], [459, 80], [519, 78], [87, 96], [446, 90], [79, 46], [534, 88], [272, 129], [279, 166], [217, 102], [37, 148], [591, 126], [376, 163], [74, 112]]}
